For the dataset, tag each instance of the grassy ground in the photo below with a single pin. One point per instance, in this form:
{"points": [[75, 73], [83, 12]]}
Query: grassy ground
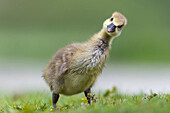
{"points": [[109, 102]]}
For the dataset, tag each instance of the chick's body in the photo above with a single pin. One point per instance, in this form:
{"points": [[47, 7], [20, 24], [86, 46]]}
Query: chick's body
{"points": [[75, 67]]}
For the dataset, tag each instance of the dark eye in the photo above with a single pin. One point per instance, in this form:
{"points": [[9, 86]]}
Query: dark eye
{"points": [[111, 19], [120, 26]]}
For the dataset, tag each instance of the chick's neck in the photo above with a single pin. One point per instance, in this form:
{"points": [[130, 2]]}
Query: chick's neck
{"points": [[101, 35]]}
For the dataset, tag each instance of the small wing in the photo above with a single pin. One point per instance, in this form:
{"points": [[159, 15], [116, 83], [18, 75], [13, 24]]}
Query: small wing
{"points": [[64, 56], [63, 68]]}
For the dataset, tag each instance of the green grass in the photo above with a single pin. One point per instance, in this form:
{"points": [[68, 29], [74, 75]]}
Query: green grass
{"points": [[109, 102]]}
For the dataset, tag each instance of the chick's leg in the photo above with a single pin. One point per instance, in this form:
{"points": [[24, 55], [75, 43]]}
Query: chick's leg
{"points": [[55, 98], [87, 94]]}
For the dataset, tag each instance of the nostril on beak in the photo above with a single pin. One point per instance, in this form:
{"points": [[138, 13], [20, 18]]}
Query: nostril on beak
{"points": [[111, 27]]}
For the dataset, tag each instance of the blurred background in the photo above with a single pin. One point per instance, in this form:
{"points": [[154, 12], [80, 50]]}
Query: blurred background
{"points": [[32, 31]]}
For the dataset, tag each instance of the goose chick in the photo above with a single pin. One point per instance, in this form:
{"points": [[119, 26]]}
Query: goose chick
{"points": [[75, 68]]}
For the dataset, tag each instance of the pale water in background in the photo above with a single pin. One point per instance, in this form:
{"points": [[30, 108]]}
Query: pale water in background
{"points": [[129, 79]]}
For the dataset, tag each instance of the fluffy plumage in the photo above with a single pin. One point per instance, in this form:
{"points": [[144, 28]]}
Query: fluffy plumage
{"points": [[75, 68]]}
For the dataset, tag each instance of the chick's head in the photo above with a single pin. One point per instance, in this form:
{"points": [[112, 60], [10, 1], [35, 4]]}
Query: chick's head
{"points": [[114, 25]]}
